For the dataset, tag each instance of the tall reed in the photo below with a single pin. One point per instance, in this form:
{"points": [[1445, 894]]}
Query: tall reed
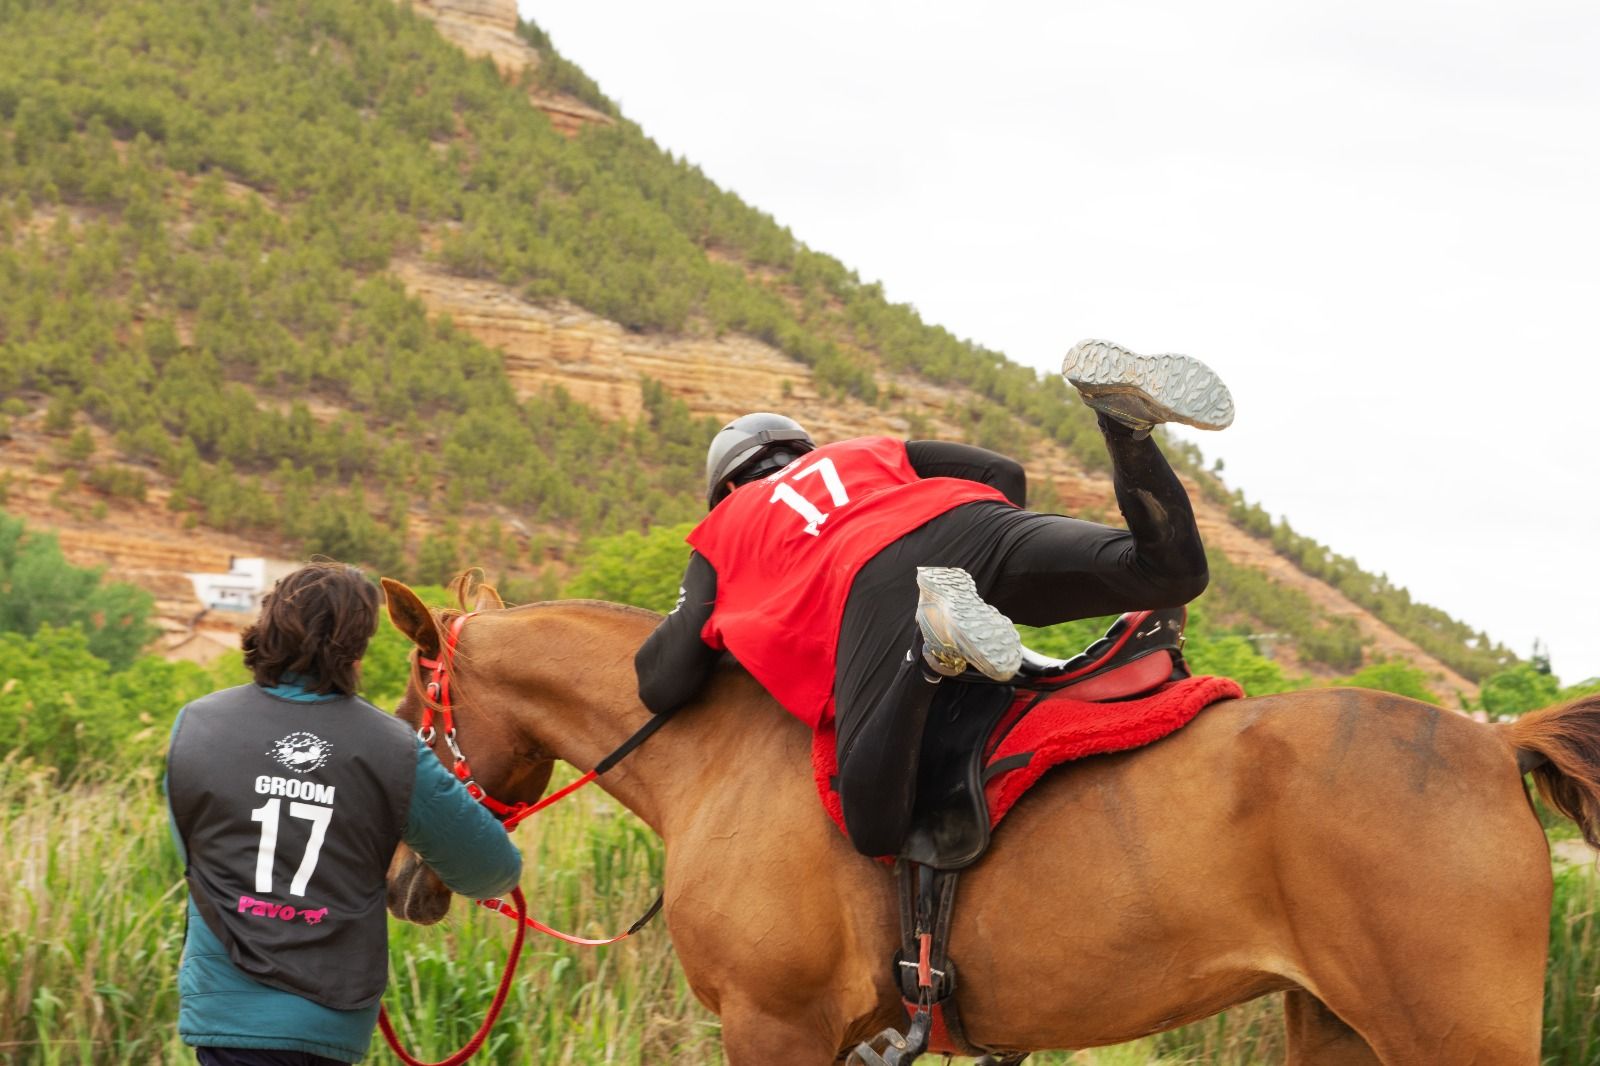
{"points": [[91, 927], [91, 918]]}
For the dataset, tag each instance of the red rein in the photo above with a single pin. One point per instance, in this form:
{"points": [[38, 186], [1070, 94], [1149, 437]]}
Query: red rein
{"points": [[470, 1048], [438, 695]]}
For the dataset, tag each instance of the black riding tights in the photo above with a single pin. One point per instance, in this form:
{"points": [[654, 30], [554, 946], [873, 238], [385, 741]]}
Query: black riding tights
{"points": [[1037, 569]]}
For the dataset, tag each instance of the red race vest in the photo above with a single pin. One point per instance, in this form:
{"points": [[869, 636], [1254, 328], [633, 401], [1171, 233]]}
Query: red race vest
{"points": [[787, 548]]}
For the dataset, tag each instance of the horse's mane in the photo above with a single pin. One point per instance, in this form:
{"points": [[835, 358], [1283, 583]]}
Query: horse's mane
{"points": [[446, 615], [465, 586], [607, 605]]}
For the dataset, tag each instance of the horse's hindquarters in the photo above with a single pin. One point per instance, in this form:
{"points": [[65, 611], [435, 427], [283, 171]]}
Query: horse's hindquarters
{"points": [[1371, 850]]}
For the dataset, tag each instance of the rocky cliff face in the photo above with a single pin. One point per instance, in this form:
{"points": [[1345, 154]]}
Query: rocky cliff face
{"points": [[488, 28], [602, 365], [481, 28]]}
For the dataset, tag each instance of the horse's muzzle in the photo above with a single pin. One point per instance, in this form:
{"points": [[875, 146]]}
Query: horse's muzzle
{"points": [[414, 891]]}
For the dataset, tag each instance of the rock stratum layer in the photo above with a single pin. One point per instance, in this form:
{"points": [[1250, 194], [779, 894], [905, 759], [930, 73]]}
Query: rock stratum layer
{"points": [[604, 365], [488, 29]]}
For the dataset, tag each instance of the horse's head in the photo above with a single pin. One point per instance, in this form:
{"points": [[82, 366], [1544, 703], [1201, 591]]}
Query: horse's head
{"points": [[506, 764]]}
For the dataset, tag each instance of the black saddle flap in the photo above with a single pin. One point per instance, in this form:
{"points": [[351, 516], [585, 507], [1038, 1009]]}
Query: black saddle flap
{"points": [[950, 824]]}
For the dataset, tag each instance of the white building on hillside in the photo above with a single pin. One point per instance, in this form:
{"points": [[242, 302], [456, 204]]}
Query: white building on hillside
{"points": [[242, 587]]}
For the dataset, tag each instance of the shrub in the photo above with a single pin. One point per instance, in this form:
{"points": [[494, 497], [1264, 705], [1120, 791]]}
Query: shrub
{"points": [[122, 481], [39, 587], [1517, 690], [1394, 675], [638, 568]]}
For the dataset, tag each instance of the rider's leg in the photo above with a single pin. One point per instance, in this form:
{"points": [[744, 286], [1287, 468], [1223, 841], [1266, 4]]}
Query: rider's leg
{"points": [[1038, 569], [1052, 569], [1043, 569], [878, 750], [881, 702]]}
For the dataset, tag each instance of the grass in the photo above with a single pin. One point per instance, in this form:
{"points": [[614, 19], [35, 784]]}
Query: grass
{"points": [[90, 920], [91, 929]]}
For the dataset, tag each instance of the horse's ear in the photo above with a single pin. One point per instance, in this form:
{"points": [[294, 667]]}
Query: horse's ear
{"points": [[410, 617], [469, 585]]}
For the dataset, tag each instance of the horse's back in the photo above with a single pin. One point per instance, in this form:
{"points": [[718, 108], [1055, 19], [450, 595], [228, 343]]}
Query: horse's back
{"points": [[1252, 850]]}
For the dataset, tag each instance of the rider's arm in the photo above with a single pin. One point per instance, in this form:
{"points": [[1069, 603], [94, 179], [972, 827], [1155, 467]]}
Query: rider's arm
{"points": [[456, 835], [943, 458], [675, 662]]}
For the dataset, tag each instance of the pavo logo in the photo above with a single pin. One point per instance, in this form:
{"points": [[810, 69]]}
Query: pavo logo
{"points": [[301, 752]]}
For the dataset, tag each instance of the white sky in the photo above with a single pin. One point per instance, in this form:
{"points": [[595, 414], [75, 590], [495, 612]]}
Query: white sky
{"points": [[1379, 221]]}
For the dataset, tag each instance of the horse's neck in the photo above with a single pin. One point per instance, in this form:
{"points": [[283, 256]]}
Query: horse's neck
{"points": [[569, 667]]}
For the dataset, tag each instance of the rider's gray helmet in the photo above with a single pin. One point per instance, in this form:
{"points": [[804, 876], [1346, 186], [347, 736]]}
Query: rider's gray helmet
{"points": [[751, 445]]}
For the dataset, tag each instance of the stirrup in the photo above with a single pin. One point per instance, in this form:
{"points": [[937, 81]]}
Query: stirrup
{"points": [[897, 1049]]}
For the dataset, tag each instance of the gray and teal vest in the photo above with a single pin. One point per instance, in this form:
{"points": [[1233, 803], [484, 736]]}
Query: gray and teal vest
{"points": [[289, 813]]}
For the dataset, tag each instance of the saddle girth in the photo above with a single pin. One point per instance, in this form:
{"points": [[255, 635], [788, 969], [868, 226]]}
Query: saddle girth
{"points": [[927, 977]]}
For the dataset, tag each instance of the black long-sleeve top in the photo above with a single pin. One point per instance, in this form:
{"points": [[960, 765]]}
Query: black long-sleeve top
{"points": [[675, 662]]}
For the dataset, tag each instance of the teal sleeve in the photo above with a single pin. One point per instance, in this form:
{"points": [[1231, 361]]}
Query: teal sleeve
{"points": [[456, 835]]}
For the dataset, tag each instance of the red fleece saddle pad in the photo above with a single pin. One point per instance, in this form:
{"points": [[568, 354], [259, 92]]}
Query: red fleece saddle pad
{"points": [[1053, 730]]}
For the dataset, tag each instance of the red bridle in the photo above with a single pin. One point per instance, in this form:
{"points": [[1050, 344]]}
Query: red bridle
{"points": [[437, 688], [437, 693]]}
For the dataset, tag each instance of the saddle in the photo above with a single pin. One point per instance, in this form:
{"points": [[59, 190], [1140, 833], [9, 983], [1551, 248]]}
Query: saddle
{"points": [[985, 744], [952, 821]]}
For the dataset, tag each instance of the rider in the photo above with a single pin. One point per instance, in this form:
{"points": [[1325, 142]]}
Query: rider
{"points": [[848, 579], [288, 797]]}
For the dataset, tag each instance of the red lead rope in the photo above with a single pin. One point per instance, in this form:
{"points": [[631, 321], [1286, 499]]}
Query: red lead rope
{"points": [[438, 691], [470, 1048]]}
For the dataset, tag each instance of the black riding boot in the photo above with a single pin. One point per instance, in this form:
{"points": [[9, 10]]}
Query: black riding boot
{"points": [[878, 761]]}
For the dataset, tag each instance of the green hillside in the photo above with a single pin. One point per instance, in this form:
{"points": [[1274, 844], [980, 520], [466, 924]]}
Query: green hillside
{"points": [[199, 201]]}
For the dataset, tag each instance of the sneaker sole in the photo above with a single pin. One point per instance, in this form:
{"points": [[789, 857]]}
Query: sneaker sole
{"points": [[1151, 389], [978, 633]]}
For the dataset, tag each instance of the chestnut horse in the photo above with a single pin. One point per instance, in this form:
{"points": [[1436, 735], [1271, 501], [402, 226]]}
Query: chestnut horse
{"points": [[1373, 858]]}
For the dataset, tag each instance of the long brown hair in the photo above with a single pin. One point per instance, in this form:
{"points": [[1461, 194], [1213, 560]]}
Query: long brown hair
{"points": [[315, 624]]}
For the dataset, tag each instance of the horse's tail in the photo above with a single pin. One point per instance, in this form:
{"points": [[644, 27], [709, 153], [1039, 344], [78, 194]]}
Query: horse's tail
{"points": [[1561, 747]]}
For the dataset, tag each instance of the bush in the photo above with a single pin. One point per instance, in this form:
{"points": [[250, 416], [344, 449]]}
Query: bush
{"points": [[64, 706], [1394, 675], [122, 481], [638, 568], [1518, 690], [1236, 657], [39, 587]]}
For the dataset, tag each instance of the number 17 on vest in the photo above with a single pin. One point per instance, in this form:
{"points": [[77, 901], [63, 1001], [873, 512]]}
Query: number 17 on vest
{"points": [[784, 492]]}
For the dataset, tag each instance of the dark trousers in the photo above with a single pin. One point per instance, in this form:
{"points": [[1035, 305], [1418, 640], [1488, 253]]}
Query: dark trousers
{"points": [[240, 1056], [1037, 569]]}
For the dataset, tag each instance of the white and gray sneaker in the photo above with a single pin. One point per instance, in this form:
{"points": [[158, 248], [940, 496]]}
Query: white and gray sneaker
{"points": [[1142, 391], [959, 628]]}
